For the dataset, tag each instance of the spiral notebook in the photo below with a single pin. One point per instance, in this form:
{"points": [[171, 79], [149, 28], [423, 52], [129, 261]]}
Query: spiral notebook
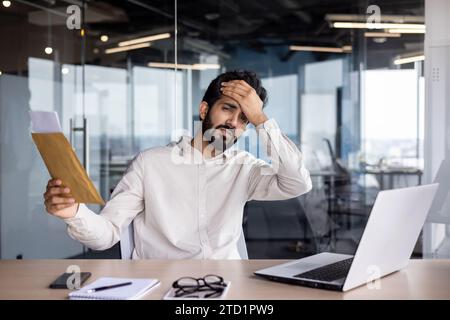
{"points": [[136, 290]]}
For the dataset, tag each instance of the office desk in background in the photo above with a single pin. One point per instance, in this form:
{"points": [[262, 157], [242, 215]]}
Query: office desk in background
{"points": [[391, 173], [29, 279]]}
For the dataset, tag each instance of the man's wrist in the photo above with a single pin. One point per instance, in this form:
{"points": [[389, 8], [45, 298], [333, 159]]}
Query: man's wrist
{"points": [[260, 119], [75, 214]]}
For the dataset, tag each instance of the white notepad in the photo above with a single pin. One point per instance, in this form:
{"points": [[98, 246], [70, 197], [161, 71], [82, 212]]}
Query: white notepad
{"points": [[134, 291]]}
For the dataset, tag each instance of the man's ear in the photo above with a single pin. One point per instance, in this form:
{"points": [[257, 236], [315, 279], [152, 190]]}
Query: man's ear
{"points": [[203, 110]]}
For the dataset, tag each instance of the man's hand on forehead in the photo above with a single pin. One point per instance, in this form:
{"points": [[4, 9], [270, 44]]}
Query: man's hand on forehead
{"points": [[248, 100]]}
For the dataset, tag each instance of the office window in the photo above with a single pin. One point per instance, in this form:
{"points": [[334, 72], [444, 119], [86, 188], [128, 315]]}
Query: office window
{"points": [[283, 102], [157, 115], [391, 111]]}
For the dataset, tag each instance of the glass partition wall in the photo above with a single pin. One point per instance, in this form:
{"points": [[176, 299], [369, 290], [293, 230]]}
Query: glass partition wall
{"points": [[88, 61], [349, 96], [36, 45], [132, 75]]}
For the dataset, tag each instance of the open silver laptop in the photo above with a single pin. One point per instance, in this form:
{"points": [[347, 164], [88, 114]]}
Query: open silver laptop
{"points": [[386, 246]]}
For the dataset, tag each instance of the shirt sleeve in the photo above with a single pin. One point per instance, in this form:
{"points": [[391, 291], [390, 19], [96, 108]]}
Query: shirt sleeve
{"points": [[102, 231], [286, 177]]}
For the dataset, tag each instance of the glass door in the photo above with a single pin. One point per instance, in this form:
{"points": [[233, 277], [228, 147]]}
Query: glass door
{"points": [[127, 105], [36, 48]]}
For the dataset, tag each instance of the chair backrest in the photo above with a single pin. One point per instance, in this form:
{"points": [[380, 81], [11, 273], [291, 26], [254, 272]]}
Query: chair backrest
{"points": [[242, 247], [127, 244]]}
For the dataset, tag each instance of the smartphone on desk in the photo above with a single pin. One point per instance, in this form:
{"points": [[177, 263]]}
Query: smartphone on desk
{"points": [[61, 281]]}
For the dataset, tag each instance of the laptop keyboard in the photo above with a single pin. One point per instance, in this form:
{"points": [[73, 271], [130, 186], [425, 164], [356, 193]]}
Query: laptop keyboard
{"points": [[330, 272]]}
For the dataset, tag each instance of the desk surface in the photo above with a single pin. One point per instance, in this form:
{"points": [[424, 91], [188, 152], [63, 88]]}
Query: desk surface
{"points": [[29, 279]]}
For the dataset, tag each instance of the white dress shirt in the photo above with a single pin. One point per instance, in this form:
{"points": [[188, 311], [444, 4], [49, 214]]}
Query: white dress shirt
{"points": [[183, 208]]}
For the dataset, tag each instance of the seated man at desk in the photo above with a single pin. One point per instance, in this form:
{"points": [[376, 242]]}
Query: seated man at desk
{"points": [[187, 199]]}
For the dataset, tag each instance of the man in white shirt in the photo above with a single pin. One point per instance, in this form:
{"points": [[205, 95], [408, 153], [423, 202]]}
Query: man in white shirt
{"points": [[187, 199]]}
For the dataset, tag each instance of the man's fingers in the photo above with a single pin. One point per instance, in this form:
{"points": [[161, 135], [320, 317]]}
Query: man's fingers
{"points": [[241, 83], [58, 200], [63, 191], [232, 94], [58, 190], [61, 200], [61, 206], [56, 206], [53, 183], [244, 90], [239, 90]]}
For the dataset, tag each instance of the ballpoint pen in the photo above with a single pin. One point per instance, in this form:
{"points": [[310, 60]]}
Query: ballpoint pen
{"points": [[108, 287]]}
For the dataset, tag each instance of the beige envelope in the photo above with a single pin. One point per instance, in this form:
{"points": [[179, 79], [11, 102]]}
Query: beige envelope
{"points": [[62, 163]]}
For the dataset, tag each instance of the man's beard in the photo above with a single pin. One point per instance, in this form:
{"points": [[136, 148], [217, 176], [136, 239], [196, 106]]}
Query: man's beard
{"points": [[214, 135]]}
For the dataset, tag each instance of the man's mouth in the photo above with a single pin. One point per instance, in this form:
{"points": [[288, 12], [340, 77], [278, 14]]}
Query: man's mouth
{"points": [[227, 132]]}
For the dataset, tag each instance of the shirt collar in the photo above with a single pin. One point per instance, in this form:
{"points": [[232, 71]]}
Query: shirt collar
{"points": [[184, 144]]}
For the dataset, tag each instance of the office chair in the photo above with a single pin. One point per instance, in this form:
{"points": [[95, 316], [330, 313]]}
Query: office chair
{"points": [[344, 175], [345, 197], [127, 244]]}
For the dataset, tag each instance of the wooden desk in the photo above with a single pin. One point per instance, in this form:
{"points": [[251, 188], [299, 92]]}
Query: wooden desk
{"points": [[29, 279]]}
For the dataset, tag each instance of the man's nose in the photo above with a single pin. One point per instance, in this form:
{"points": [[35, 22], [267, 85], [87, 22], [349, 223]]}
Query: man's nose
{"points": [[233, 121]]}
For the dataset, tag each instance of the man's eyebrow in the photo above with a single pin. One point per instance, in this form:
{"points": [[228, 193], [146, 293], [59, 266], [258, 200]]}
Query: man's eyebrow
{"points": [[230, 105]]}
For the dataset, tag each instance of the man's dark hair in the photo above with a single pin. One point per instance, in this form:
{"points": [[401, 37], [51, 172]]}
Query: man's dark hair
{"points": [[213, 93]]}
